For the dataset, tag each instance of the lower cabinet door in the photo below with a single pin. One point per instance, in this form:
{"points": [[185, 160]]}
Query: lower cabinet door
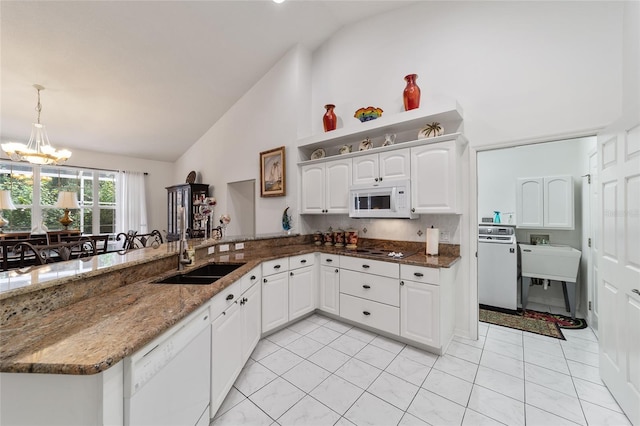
{"points": [[301, 292], [275, 301], [367, 312], [329, 290], [251, 329], [226, 354], [420, 312]]}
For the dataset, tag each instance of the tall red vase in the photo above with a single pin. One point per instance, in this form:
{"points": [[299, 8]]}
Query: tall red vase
{"points": [[411, 93], [329, 120]]}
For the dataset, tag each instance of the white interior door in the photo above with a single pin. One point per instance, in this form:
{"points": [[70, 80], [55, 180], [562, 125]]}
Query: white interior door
{"points": [[619, 264], [592, 246]]}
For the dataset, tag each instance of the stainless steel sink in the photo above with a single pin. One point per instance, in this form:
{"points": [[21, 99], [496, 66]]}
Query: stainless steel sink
{"points": [[204, 275]]}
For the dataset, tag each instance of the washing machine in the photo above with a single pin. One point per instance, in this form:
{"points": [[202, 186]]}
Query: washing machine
{"points": [[497, 266]]}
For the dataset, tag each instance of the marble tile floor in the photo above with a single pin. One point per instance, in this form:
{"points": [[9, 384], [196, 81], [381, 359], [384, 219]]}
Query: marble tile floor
{"points": [[320, 371]]}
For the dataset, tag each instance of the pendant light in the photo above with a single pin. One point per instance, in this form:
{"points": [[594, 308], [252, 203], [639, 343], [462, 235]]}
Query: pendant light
{"points": [[38, 150]]}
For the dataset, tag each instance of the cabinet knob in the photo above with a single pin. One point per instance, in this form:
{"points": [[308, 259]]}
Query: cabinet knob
{"points": [[303, 261], [265, 280], [636, 291], [276, 267], [366, 286], [401, 282], [413, 210], [366, 313], [337, 271], [376, 179], [380, 179], [291, 273], [253, 277], [418, 274], [230, 297]]}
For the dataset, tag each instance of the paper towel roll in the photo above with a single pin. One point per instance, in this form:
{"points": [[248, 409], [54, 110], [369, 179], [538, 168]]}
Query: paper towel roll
{"points": [[433, 239]]}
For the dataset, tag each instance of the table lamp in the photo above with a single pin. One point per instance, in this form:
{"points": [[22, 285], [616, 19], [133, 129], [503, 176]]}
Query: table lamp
{"points": [[67, 200], [5, 204]]}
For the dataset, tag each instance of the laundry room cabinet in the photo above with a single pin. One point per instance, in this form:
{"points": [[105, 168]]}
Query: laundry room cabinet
{"points": [[545, 202]]}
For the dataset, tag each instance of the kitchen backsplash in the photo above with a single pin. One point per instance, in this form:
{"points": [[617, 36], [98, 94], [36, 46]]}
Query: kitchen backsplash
{"points": [[386, 229]]}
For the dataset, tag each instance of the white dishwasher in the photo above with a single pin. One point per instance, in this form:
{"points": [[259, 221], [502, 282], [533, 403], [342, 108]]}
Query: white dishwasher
{"points": [[167, 381]]}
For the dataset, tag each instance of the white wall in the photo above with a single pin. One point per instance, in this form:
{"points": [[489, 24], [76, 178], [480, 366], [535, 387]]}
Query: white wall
{"points": [[520, 70], [269, 115]]}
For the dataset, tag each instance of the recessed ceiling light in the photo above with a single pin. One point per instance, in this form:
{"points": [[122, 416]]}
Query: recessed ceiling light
{"points": [[278, 1]]}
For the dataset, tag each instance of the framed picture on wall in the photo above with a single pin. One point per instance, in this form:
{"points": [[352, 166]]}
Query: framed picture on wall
{"points": [[272, 173]]}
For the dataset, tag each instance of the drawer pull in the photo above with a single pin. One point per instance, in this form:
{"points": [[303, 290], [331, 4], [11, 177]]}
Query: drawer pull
{"points": [[303, 261], [366, 266], [329, 260], [253, 277], [366, 313], [230, 297], [366, 286], [418, 274], [276, 267]]}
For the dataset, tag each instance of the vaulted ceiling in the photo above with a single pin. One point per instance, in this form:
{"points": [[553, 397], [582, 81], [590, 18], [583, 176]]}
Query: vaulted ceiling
{"points": [[148, 78]]}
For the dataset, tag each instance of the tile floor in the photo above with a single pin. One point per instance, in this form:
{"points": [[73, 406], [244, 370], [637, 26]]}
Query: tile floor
{"points": [[320, 371]]}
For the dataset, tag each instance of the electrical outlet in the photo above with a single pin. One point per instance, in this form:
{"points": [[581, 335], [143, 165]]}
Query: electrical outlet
{"points": [[211, 250], [223, 247], [444, 236], [239, 246]]}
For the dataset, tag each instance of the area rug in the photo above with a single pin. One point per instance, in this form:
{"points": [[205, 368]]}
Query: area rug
{"points": [[542, 323]]}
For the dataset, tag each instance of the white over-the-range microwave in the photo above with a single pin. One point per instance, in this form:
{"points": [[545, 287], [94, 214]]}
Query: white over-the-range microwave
{"points": [[384, 200]]}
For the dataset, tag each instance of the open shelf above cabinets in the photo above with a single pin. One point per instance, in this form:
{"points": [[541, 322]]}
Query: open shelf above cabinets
{"points": [[405, 125]]}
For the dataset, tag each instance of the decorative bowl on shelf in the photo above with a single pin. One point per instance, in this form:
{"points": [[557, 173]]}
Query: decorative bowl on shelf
{"points": [[368, 113]]}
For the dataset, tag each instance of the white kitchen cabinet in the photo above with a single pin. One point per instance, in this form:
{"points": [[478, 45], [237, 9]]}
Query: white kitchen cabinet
{"points": [[325, 187], [386, 166], [301, 292], [545, 202], [234, 335], [226, 353], [329, 285], [427, 305], [435, 177], [275, 301]]}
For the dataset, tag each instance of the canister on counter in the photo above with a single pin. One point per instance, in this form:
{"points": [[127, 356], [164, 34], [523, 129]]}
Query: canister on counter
{"points": [[328, 238], [317, 238], [351, 238], [338, 238]]}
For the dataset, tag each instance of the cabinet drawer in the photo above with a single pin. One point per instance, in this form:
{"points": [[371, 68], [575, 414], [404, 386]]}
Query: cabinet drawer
{"points": [[371, 287], [420, 274], [374, 314], [301, 260], [330, 259], [275, 266], [250, 278], [221, 301], [376, 267]]}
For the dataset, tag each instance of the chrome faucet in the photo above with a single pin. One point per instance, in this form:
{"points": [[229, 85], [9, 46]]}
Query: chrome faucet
{"points": [[183, 255]]}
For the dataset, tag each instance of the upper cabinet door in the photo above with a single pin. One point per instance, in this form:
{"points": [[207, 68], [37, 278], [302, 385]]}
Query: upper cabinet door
{"points": [[434, 179], [366, 170], [312, 188], [529, 203], [395, 165], [558, 202], [338, 181]]}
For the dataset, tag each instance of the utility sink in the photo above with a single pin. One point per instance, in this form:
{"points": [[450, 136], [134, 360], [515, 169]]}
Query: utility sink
{"points": [[551, 262], [204, 275]]}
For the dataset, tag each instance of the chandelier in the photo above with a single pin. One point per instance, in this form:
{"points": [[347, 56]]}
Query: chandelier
{"points": [[38, 150]]}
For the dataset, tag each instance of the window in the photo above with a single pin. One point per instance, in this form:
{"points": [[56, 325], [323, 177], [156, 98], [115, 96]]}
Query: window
{"points": [[95, 191]]}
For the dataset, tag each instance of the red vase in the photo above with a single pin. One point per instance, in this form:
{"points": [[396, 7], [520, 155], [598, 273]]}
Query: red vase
{"points": [[411, 93], [329, 120]]}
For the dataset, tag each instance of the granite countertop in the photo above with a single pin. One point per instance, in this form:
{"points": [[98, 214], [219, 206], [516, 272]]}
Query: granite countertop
{"points": [[91, 335]]}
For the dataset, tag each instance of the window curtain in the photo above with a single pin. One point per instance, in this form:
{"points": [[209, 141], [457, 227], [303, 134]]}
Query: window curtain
{"points": [[132, 204]]}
